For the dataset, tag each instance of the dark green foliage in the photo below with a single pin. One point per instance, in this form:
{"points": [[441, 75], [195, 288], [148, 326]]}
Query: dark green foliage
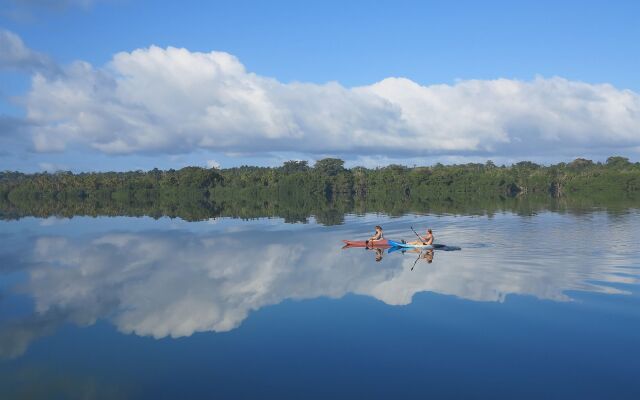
{"points": [[291, 167], [327, 191], [329, 166], [618, 162]]}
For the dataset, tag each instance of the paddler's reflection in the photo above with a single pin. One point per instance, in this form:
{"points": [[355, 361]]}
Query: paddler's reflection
{"points": [[428, 255], [424, 255], [379, 253]]}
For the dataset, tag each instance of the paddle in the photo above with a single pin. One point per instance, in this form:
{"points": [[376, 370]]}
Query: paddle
{"points": [[419, 237], [414, 263]]}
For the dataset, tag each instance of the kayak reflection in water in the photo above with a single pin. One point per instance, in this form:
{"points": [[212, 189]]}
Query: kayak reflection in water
{"points": [[425, 240], [377, 236]]}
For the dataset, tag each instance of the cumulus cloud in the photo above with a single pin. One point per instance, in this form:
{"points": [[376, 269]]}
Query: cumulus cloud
{"points": [[172, 100], [15, 55]]}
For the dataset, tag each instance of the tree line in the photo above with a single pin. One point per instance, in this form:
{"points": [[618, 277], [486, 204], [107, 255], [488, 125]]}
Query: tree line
{"points": [[326, 190]]}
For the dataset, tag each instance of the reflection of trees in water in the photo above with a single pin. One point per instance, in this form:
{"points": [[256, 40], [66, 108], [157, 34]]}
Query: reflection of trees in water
{"points": [[296, 191], [300, 208]]}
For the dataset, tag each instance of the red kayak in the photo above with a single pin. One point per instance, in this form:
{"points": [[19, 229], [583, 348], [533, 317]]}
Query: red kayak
{"points": [[362, 243]]}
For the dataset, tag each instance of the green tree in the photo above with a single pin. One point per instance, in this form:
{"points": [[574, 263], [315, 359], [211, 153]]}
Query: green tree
{"points": [[618, 162], [293, 166], [329, 166]]}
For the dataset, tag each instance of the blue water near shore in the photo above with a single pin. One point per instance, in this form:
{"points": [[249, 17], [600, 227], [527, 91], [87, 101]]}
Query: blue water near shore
{"points": [[532, 306]]}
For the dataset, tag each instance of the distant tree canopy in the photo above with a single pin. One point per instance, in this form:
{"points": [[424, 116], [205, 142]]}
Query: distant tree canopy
{"points": [[292, 167], [294, 190], [329, 166], [618, 162], [580, 163]]}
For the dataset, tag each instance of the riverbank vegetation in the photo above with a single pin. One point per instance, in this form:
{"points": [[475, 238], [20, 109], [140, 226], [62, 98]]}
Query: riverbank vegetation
{"points": [[326, 190]]}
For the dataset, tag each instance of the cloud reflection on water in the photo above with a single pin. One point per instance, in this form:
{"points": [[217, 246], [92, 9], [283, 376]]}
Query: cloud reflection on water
{"points": [[177, 282]]}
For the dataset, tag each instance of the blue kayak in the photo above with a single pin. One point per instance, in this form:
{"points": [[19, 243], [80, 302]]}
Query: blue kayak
{"points": [[399, 245], [410, 246]]}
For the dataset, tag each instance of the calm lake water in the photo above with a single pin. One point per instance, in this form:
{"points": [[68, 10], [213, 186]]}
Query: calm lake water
{"points": [[534, 306]]}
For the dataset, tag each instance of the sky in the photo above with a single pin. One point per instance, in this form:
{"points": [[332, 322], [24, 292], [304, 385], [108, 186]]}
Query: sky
{"points": [[90, 85]]}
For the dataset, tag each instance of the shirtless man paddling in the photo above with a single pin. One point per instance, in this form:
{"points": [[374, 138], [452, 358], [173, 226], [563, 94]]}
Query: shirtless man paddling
{"points": [[425, 240]]}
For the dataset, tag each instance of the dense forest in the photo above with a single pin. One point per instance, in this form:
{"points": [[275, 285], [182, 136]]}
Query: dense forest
{"points": [[295, 191]]}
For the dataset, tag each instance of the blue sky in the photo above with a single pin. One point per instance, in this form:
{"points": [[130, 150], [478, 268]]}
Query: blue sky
{"points": [[575, 62]]}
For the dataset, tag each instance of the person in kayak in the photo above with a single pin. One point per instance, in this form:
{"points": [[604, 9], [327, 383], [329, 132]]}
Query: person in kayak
{"points": [[425, 240], [377, 236]]}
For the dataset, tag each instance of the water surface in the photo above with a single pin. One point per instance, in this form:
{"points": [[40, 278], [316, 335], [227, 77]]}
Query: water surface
{"points": [[541, 305]]}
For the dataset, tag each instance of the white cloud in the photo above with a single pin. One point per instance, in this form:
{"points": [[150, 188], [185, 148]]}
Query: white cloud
{"points": [[52, 167], [14, 55], [175, 101], [213, 164]]}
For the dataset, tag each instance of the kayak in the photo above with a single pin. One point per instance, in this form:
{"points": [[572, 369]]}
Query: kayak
{"points": [[411, 246], [362, 243], [437, 246]]}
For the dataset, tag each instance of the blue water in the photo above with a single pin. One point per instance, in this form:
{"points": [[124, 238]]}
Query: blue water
{"points": [[538, 306]]}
